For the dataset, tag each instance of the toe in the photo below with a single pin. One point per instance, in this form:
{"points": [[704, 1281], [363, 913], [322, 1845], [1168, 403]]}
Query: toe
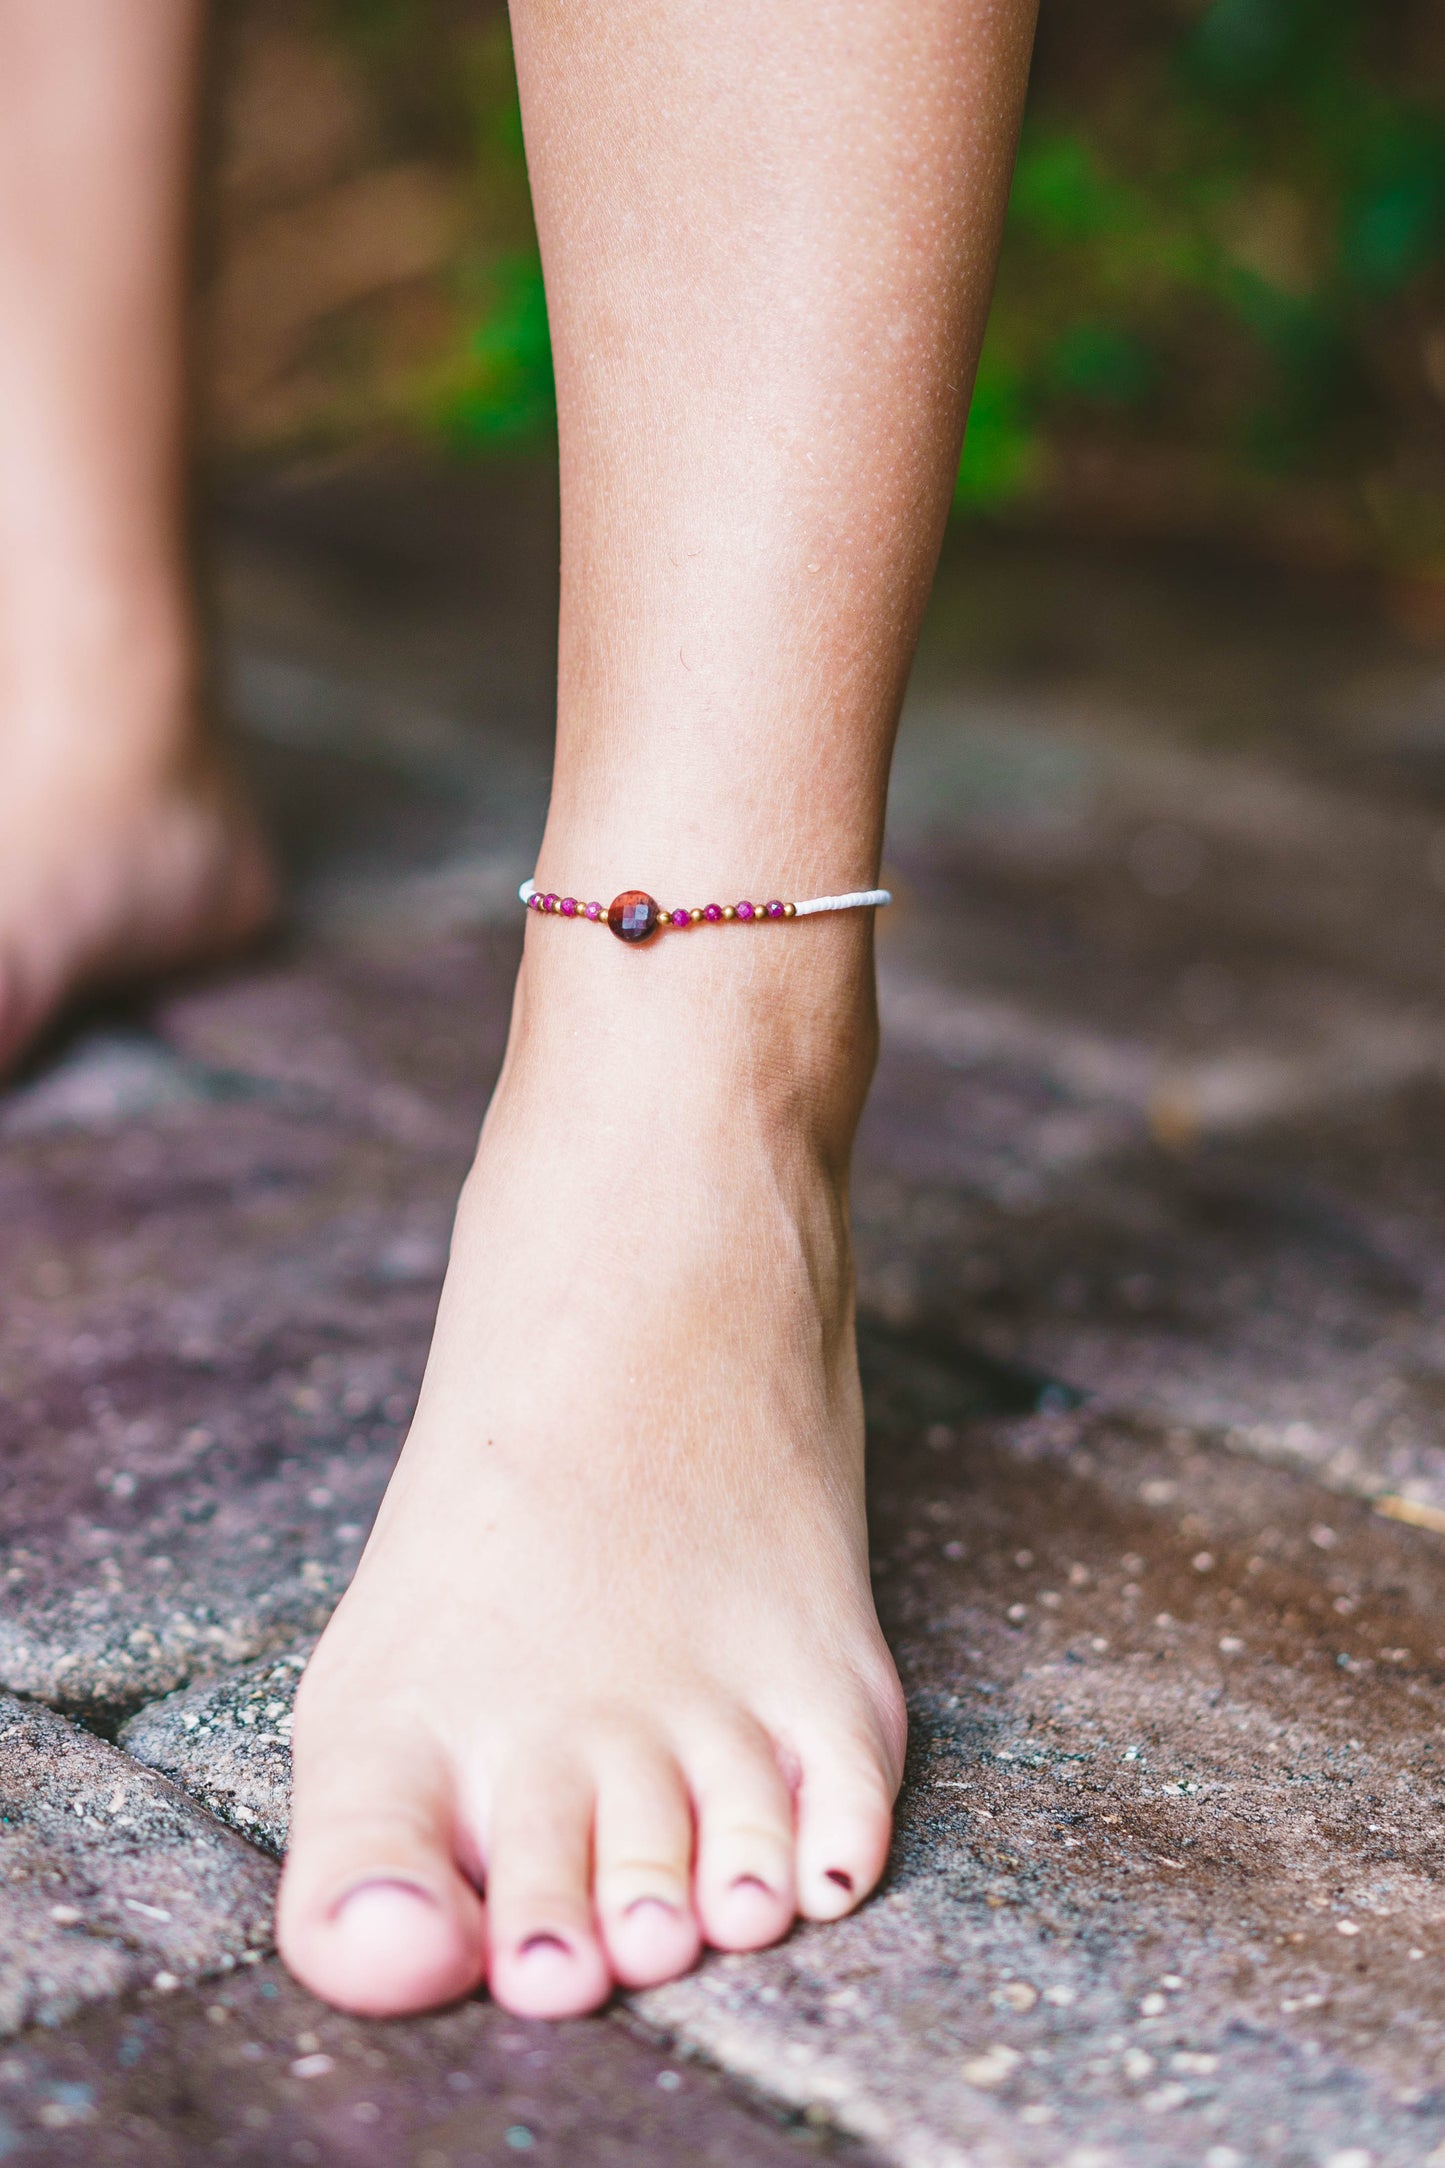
{"points": [[374, 1913], [643, 1873], [546, 1957], [845, 1820], [745, 1868]]}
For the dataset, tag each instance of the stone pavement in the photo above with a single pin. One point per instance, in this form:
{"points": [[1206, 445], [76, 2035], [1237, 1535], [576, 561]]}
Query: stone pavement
{"points": [[1151, 1210]]}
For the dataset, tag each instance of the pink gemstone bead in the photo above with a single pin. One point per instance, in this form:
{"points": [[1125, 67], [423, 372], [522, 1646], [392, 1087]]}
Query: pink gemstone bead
{"points": [[534, 901], [550, 901], [745, 910], [681, 918], [773, 909], [569, 907], [594, 911], [712, 912]]}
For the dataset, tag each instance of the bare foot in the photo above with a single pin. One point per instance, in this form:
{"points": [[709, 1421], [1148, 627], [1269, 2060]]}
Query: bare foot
{"points": [[611, 1654], [126, 847]]}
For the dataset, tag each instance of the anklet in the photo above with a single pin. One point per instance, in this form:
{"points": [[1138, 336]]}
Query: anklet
{"points": [[634, 915]]}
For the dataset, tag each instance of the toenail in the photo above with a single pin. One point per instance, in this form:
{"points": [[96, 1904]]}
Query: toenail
{"points": [[650, 1904], [379, 1886], [754, 1881], [543, 1941], [836, 1874]]}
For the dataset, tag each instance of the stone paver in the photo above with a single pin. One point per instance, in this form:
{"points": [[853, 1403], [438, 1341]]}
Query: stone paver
{"points": [[215, 1311], [110, 1879], [252, 2073], [1283, 1288], [228, 1741], [1165, 1053], [1170, 1858], [1170, 1854]]}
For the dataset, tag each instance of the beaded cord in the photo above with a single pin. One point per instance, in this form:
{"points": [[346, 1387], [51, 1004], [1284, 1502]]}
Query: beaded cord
{"points": [[636, 916]]}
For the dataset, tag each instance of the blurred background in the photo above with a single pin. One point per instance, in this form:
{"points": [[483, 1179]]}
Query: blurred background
{"points": [[1220, 311], [1149, 1198]]}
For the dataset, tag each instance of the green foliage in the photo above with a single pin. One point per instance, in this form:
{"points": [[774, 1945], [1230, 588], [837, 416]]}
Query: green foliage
{"points": [[1228, 252], [375, 25], [498, 394], [1225, 252], [1001, 456]]}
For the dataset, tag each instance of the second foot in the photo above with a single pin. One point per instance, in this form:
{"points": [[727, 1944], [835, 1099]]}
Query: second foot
{"points": [[609, 1686], [127, 848]]}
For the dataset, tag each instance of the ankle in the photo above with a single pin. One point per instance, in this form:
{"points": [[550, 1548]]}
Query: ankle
{"points": [[109, 671], [772, 1028]]}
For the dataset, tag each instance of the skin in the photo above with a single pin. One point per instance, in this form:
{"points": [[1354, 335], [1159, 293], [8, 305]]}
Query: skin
{"points": [[611, 1656], [612, 1652], [124, 846]]}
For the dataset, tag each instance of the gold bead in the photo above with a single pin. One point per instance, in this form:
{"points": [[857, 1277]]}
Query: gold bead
{"points": [[728, 911], [695, 914], [790, 910]]}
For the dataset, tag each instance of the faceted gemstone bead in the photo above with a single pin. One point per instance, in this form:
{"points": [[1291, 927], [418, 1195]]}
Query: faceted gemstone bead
{"points": [[551, 900], [712, 912], [569, 907], [774, 909], [745, 910], [633, 915], [682, 918], [594, 912], [534, 902]]}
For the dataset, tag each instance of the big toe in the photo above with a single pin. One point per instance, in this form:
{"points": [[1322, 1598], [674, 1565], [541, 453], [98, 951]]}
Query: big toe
{"points": [[375, 1914]]}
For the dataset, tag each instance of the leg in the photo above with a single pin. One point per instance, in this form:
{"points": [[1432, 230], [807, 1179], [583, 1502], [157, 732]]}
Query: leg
{"points": [[121, 847], [612, 1645]]}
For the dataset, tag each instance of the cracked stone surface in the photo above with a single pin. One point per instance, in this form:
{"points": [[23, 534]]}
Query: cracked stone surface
{"points": [[1160, 1103], [1283, 1288], [1169, 1869], [228, 1741], [1173, 1836], [215, 1314], [110, 1879], [252, 2073], [1151, 1212]]}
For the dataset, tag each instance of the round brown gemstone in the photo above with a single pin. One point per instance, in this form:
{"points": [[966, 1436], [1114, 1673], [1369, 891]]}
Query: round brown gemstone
{"points": [[633, 915]]}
